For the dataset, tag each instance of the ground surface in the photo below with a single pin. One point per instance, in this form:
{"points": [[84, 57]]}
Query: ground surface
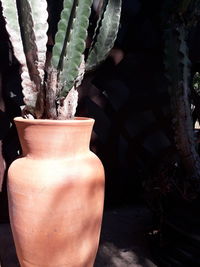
{"points": [[123, 242]]}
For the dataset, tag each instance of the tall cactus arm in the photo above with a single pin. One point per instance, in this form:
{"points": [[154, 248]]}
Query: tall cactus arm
{"points": [[11, 16], [40, 16], [13, 28], [177, 71], [107, 34], [28, 39], [100, 9], [62, 35], [75, 47]]}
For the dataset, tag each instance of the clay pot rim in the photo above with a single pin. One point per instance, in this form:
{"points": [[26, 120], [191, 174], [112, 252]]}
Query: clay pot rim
{"points": [[75, 121]]}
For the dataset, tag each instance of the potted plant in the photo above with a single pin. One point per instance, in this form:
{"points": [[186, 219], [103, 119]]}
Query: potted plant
{"points": [[56, 188]]}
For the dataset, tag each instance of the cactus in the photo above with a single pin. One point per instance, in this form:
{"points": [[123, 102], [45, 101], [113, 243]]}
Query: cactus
{"points": [[107, 30], [54, 95], [177, 66]]}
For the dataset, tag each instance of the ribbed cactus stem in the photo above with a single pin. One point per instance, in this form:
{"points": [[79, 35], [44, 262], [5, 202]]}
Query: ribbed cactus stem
{"points": [[177, 66], [26, 22], [107, 30]]}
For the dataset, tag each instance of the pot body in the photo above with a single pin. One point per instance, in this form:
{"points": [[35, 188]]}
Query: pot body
{"points": [[56, 194]]}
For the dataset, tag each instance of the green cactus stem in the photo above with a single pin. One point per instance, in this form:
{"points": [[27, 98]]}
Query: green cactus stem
{"points": [[107, 33], [177, 71], [28, 47], [70, 43]]}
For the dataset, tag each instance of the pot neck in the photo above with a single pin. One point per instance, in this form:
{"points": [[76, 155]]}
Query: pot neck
{"points": [[54, 139]]}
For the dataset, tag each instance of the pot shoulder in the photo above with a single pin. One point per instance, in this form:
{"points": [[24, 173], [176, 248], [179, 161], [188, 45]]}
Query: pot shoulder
{"points": [[25, 171]]}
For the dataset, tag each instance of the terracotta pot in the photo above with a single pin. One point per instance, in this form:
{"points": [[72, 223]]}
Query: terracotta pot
{"points": [[56, 194]]}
